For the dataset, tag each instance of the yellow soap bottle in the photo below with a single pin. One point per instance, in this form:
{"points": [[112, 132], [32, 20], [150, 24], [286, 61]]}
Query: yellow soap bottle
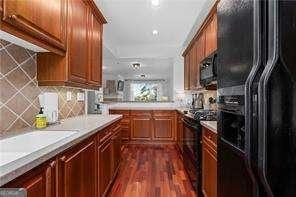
{"points": [[40, 121]]}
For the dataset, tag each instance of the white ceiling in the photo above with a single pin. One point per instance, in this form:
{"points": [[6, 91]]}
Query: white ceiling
{"points": [[128, 33]]}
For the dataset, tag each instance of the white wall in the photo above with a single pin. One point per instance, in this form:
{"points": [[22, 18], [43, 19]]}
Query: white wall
{"points": [[178, 75]]}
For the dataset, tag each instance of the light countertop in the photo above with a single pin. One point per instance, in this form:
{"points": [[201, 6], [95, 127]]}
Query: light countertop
{"points": [[84, 126], [211, 125]]}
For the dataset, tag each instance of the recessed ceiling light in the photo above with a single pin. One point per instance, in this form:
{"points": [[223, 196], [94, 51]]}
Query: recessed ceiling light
{"points": [[136, 66], [155, 32], [142, 75], [155, 2]]}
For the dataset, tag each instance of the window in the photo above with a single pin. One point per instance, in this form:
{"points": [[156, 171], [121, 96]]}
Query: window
{"points": [[144, 92]]}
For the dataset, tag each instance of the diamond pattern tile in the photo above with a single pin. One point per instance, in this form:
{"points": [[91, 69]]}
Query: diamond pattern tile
{"points": [[18, 78], [19, 90], [18, 104], [6, 90], [18, 53], [6, 118]]}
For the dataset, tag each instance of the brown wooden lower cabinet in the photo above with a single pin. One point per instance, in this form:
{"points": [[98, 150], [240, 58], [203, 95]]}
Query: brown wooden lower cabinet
{"points": [[39, 182], [86, 169], [141, 127], [104, 166], [77, 171], [180, 132], [148, 125], [209, 163]]}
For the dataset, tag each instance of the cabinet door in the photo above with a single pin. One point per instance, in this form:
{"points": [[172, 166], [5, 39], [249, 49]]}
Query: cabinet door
{"points": [[141, 128], [116, 142], [186, 72], [104, 166], [40, 19], [95, 46], [77, 171], [163, 128], [209, 171], [211, 35], [180, 133], [39, 182], [78, 43], [200, 55], [193, 66]]}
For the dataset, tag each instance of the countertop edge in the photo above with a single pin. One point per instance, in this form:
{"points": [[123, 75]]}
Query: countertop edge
{"points": [[37, 158], [209, 125]]}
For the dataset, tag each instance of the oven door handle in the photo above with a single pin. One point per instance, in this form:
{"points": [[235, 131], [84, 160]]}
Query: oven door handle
{"points": [[189, 124]]}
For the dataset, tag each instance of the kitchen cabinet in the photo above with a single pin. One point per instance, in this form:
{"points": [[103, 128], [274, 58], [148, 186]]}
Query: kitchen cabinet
{"points": [[125, 124], [105, 166], [202, 45], [78, 36], [77, 170], [180, 132], [193, 67], [39, 182], [85, 169], [148, 125], [96, 47], [82, 64], [211, 35], [186, 72], [39, 22], [116, 149], [141, 125], [163, 125], [209, 163]]}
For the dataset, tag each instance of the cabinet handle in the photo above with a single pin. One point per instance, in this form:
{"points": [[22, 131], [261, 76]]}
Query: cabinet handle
{"points": [[52, 164], [63, 158]]}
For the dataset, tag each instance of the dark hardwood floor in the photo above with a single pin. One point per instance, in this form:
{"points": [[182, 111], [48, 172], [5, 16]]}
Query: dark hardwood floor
{"points": [[151, 170]]}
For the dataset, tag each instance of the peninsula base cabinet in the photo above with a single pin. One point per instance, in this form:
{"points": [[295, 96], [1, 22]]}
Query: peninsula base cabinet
{"points": [[85, 169], [150, 126]]}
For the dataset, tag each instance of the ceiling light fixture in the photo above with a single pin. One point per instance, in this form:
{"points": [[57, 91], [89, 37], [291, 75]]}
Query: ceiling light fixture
{"points": [[155, 3], [143, 76], [155, 32], [136, 66]]}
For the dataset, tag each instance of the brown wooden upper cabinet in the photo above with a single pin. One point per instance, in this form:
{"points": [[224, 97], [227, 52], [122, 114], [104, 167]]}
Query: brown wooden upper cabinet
{"points": [[39, 22], [82, 64], [203, 44], [186, 72], [211, 35]]}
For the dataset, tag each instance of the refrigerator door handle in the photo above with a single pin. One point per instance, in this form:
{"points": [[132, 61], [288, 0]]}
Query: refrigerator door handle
{"points": [[263, 92]]}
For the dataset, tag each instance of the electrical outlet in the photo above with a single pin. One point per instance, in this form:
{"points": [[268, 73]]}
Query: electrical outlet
{"points": [[69, 96], [80, 96]]}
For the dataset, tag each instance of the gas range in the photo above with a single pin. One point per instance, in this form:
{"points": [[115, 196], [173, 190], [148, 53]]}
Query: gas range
{"points": [[201, 114]]}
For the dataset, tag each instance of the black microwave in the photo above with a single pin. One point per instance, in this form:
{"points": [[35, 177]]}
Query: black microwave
{"points": [[208, 69]]}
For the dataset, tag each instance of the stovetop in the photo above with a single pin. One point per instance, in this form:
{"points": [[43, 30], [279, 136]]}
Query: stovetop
{"points": [[207, 115]]}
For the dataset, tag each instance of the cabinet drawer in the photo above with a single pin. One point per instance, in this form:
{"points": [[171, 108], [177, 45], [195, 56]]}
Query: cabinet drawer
{"points": [[210, 137], [141, 113], [125, 113], [104, 135], [163, 112]]}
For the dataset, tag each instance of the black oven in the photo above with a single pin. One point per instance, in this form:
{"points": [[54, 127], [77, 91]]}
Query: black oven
{"points": [[192, 151], [208, 69]]}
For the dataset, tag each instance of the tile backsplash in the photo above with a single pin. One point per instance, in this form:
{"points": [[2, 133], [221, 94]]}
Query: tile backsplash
{"points": [[19, 91]]}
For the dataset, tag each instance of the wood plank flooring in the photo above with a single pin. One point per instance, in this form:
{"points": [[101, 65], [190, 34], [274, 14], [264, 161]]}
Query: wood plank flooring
{"points": [[152, 171]]}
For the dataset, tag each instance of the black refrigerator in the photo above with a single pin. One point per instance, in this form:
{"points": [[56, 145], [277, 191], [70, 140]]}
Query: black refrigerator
{"points": [[256, 98]]}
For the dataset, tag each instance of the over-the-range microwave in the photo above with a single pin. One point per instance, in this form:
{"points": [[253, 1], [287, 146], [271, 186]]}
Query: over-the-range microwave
{"points": [[208, 69]]}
